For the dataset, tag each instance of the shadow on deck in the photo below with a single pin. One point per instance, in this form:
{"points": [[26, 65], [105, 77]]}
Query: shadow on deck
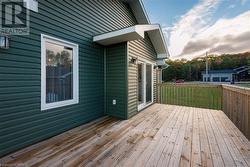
{"points": [[161, 135]]}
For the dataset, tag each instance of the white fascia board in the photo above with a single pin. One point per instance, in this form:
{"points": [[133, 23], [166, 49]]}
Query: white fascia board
{"points": [[123, 35], [114, 34], [134, 33], [158, 43], [31, 5], [162, 56], [157, 38], [144, 11], [149, 27], [139, 11], [126, 34], [140, 29], [164, 41]]}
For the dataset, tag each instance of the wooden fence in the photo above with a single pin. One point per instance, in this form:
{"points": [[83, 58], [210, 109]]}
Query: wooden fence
{"points": [[201, 96], [236, 105], [234, 101]]}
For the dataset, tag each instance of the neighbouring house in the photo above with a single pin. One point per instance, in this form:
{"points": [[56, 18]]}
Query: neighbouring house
{"points": [[228, 75], [81, 61]]}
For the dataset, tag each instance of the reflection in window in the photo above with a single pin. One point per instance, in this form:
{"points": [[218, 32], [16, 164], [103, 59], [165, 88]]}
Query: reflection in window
{"points": [[216, 79], [224, 79], [148, 83], [140, 84], [59, 73]]}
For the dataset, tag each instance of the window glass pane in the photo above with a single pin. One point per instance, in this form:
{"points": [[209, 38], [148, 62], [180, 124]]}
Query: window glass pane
{"points": [[224, 79], [148, 83], [140, 84], [216, 79], [59, 73]]}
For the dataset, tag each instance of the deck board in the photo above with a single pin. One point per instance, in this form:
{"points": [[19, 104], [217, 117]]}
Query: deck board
{"points": [[161, 135]]}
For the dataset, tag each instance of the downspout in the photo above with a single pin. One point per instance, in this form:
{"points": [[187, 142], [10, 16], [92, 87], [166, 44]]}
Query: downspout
{"points": [[105, 80], [126, 78]]}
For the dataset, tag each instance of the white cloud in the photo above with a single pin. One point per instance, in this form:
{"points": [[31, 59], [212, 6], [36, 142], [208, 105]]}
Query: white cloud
{"points": [[193, 34], [225, 36], [192, 23]]}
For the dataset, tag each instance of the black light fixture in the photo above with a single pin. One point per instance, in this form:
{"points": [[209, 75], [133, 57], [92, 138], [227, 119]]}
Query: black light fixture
{"points": [[133, 60], [156, 67], [4, 42]]}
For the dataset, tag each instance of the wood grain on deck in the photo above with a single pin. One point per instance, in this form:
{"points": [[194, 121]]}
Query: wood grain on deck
{"points": [[161, 135]]}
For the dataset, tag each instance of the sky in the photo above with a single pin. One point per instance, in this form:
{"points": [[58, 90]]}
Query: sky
{"points": [[194, 27]]}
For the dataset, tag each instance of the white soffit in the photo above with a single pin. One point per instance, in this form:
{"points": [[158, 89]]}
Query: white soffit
{"points": [[142, 18], [134, 33], [123, 35], [158, 40]]}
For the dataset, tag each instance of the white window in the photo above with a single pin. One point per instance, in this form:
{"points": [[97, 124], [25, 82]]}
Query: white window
{"points": [[59, 73]]}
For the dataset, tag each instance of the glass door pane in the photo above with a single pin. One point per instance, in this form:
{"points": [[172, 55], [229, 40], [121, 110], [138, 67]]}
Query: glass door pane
{"points": [[148, 83], [140, 84]]}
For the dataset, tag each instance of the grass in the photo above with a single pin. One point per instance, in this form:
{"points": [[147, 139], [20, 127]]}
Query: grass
{"points": [[202, 96], [246, 85]]}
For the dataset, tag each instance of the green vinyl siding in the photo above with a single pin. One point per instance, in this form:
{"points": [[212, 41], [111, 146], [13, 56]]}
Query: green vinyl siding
{"points": [[21, 120], [142, 49], [116, 80]]}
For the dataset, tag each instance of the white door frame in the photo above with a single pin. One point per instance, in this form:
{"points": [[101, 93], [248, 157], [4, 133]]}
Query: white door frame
{"points": [[145, 104]]}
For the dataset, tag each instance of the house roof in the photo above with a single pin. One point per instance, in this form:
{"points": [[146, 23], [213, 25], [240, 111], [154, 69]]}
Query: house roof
{"points": [[228, 71], [136, 32], [241, 69], [139, 11], [141, 15]]}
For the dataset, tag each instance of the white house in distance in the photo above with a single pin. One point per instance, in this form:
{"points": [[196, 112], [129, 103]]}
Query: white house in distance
{"points": [[228, 75]]}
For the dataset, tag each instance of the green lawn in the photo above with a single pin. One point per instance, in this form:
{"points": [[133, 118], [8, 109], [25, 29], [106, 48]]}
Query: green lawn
{"points": [[247, 85], [199, 95]]}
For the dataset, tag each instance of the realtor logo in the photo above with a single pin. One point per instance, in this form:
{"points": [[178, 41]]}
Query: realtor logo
{"points": [[14, 17]]}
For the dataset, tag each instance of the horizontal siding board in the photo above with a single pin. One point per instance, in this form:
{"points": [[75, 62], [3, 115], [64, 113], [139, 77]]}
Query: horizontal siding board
{"points": [[27, 127], [21, 121], [115, 82], [142, 49], [46, 133], [75, 18]]}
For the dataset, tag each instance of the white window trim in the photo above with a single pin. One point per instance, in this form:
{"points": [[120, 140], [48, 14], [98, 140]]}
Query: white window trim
{"points": [[144, 105], [75, 100]]}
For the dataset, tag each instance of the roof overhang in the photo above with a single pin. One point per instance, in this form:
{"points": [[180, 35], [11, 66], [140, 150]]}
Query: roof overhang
{"points": [[243, 69], [138, 10], [161, 64], [134, 33]]}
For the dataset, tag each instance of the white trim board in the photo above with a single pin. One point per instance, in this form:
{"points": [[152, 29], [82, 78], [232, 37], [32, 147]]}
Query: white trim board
{"points": [[32, 5], [145, 104], [135, 33], [75, 100], [139, 11]]}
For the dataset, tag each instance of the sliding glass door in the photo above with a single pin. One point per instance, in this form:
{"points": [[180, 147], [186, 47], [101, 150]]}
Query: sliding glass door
{"points": [[148, 83], [145, 84], [140, 84]]}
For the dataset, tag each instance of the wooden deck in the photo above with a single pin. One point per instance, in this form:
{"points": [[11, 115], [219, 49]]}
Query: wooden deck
{"points": [[161, 135]]}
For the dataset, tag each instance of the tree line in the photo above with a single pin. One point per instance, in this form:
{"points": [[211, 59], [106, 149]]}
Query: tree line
{"points": [[190, 70]]}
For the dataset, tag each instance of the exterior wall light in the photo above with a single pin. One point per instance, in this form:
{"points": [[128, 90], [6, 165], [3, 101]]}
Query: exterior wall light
{"points": [[156, 67], [4, 42], [133, 60]]}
